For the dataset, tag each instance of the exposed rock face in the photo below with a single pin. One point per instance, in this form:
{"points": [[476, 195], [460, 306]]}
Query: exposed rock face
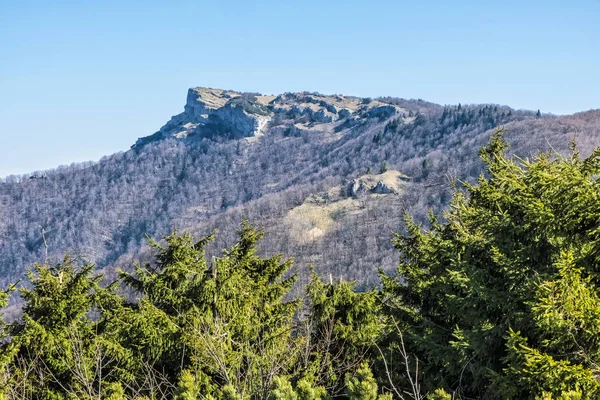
{"points": [[233, 115], [366, 184], [382, 111], [215, 112], [355, 188], [382, 188]]}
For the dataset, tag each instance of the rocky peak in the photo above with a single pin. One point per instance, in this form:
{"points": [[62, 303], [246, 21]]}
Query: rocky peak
{"points": [[216, 112]]}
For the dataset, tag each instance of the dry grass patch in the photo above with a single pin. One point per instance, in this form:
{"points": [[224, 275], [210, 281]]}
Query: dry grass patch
{"points": [[320, 214], [315, 217], [214, 98]]}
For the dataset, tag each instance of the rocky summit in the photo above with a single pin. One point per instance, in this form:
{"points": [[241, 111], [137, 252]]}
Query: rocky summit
{"points": [[216, 112]]}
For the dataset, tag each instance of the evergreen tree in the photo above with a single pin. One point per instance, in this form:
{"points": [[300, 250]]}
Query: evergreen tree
{"points": [[56, 349], [500, 299], [341, 328], [226, 322], [362, 385], [222, 329], [384, 167]]}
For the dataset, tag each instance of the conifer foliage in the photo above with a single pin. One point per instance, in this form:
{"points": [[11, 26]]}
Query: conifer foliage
{"points": [[500, 300], [193, 328], [497, 299]]}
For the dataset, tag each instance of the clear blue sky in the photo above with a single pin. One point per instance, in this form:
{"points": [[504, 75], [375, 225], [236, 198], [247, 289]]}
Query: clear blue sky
{"points": [[83, 79]]}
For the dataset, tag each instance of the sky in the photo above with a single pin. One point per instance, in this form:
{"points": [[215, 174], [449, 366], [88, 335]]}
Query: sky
{"points": [[83, 79]]}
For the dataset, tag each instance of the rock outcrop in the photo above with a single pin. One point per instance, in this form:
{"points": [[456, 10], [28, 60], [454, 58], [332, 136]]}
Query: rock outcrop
{"points": [[232, 115], [215, 112], [382, 188], [355, 188], [382, 111]]}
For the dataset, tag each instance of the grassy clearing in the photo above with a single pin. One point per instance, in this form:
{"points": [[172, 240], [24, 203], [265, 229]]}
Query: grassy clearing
{"points": [[320, 214]]}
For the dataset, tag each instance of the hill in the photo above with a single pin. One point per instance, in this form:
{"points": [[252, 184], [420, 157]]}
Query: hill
{"points": [[327, 176]]}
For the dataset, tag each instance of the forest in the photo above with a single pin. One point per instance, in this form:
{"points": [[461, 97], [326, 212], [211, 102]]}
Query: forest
{"points": [[103, 210], [495, 298]]}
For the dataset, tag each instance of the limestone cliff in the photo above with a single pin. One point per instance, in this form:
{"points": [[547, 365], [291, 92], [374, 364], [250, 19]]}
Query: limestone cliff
{"points": [[233, 115], [215, 112]]}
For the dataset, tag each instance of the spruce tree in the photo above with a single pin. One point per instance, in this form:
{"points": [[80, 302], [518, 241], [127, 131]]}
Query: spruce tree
{"points": [[342, 326], [60, 348], [226, 321], [499, 299]]}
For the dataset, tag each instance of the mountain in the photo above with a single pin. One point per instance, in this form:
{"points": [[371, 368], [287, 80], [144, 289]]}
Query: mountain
{"points": [[327, 176]]}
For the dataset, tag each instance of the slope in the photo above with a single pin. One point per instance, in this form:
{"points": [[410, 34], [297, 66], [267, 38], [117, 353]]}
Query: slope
{"points": [[269, 159]]}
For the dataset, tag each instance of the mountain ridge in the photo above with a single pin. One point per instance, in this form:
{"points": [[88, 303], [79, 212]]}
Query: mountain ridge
{"points": [[223, 169], [210, 112]]}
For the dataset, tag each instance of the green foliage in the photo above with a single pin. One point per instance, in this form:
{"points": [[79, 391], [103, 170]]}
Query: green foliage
{"points": [[229, 393], [542, 373], [500, 300], [187, 388], [67, 353], [283, 390], [227, 321], [562, 396], [362, 385], [222, 329], [439, 394], [307, 390], [114, 391], [342, 326], [304, 390]]}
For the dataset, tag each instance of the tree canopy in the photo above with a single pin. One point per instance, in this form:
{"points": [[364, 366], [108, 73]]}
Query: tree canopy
{"points": [[498, 298]]}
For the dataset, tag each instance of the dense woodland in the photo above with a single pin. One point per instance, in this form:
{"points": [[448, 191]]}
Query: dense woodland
{"points": [[103, 210], [498, 298]]}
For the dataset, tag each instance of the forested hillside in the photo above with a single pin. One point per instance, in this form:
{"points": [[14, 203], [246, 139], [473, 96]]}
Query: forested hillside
{"points": [[497, 299], [328, 177]]}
